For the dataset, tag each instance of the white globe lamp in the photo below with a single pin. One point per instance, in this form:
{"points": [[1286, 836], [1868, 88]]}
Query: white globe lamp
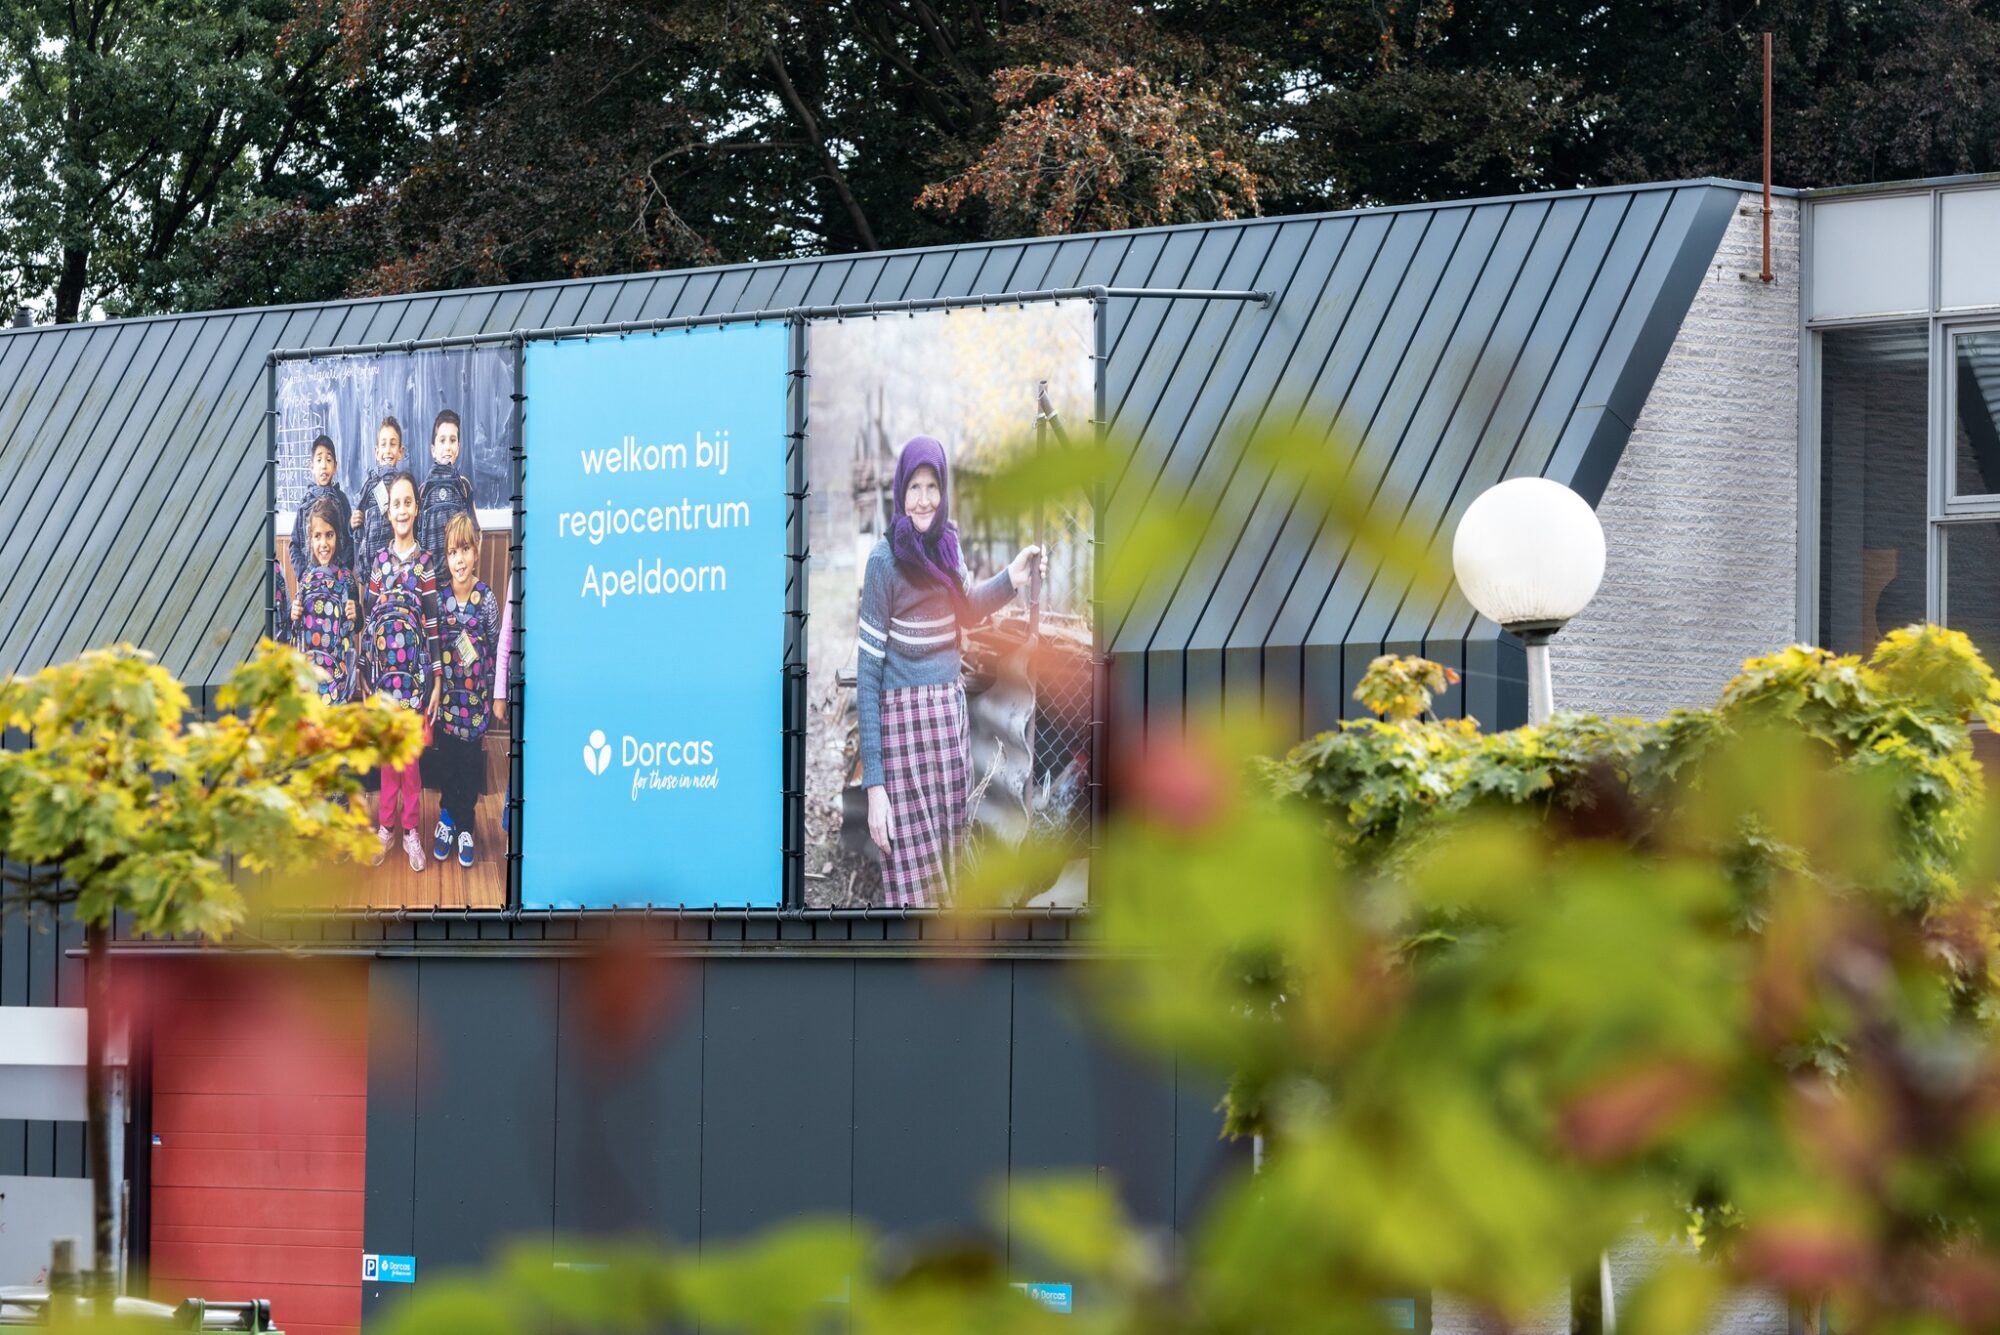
{"points": [[1529, 554]]}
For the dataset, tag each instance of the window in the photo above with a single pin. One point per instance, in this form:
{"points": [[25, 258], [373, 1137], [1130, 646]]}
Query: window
{"points": [[1874, 495], [1975, 417], [1903, 374]]}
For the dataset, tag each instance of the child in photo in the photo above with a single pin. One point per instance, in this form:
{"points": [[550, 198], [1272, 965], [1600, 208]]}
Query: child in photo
{"points": [[324, 623], [370, 522], [469, 636], [325, 467], [404, 662], [447, 491]]}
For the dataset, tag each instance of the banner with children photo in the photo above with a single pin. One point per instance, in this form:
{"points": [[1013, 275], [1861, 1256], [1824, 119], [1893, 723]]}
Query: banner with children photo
{"points": [[393, 523], [950, 666]]}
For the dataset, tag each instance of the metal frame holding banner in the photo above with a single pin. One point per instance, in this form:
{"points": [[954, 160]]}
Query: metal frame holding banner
{"points": [[795, 709]]}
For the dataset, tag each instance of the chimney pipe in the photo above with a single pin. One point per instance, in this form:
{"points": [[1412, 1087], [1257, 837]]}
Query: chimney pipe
{"points": [[1767, 157], [23, 318]]}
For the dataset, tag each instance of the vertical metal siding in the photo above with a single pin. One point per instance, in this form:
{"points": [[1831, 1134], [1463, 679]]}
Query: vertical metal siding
{"points": [[877, 1089]]}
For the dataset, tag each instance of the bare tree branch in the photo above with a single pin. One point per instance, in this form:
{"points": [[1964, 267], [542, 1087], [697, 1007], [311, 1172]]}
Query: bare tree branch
{"points": [[810, 124]]}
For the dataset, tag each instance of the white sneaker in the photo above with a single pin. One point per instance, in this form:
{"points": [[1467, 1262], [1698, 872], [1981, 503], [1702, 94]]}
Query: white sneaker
{"points": [[383, 838], [415, 848]]}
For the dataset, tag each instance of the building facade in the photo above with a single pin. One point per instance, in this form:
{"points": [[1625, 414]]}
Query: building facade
{"points": [[1806, 458]]}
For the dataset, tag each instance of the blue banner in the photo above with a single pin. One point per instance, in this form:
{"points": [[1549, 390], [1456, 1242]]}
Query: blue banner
{"points": [[654, 619]]}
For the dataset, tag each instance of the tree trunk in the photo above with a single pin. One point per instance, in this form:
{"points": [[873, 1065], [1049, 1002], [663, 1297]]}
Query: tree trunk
{"points": [[69, 286], [97, 1106]]}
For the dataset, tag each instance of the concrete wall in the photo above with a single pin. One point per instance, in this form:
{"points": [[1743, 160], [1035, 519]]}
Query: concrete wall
{"points": [[1701, 516]]}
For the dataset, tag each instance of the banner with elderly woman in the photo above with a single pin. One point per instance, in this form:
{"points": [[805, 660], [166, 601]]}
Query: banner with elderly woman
{"points": [[950, 660]]}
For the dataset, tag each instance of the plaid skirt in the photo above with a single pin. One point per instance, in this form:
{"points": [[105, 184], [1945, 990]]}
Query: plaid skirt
{"points": [[927, 761]]}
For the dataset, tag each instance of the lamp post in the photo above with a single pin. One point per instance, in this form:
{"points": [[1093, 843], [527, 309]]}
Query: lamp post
{"points": [[1529, 554]]}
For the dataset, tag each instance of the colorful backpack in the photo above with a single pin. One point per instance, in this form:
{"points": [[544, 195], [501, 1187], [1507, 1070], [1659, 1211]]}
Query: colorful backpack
{"points": [[399, 659], [444, 494], [325, 633], [467, 636]]}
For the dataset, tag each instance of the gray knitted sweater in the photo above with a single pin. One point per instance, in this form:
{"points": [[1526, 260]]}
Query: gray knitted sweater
{"points": [[909, 637]]}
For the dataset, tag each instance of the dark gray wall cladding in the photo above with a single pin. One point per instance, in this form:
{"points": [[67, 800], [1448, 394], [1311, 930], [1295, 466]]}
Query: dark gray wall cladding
{"points": [[1458, 343], [629, 1098], [484, 1153], [512, 1098]]}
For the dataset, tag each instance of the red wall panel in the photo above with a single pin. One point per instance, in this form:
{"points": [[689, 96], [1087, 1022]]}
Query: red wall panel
{"points": [[260, 1103]]}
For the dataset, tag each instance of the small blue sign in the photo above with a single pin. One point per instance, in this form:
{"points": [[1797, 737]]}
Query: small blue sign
{"points": [[388, 1269], [1056, 1297]]}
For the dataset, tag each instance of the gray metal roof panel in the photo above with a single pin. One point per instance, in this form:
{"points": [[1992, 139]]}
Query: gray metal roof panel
{"points": [[98, 502], [1428, 432], [1232, 399], [116, 539], [1426, 386], [1303, 322], [1403, 287], [1218, 366]]}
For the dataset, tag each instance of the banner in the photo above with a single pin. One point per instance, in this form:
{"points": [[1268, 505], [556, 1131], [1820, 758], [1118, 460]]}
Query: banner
{"points": [[655, 619], [393, 525], [938, 721]]}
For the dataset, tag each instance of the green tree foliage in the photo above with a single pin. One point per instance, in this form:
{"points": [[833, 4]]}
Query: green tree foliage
{"points": [[115, 804], [133, 128], [212, 154]]}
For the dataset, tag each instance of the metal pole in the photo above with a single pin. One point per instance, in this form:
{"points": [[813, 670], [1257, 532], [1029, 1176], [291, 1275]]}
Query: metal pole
{"points": [[1541, 686], [798, 548], [1767, 158], [1100, 688], [516, 677], [911, 305], [271, 590]]}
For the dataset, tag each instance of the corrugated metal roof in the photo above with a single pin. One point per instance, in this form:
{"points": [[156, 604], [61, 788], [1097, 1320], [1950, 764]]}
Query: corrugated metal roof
{"points": [[1460, 343]]}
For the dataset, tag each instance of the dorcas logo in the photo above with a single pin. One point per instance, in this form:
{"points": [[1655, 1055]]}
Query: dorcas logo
{"points": [[597, 753]]}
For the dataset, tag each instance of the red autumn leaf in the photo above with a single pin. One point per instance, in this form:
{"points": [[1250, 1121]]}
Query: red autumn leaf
{"points": [[1631, 1110]]}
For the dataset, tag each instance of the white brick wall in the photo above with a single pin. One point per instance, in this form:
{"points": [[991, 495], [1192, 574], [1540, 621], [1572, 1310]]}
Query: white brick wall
{"points": [[1744, 1312], [1701, 516]]}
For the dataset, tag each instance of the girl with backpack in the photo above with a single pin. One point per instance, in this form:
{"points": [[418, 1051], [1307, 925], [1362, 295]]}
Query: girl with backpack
{"points": [[324, 466], [324, 623], [403, 658], [469, 626]]}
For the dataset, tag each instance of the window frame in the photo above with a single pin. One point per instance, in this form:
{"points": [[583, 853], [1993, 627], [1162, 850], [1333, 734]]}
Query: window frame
{"points": [[1945, 364], [1944, 325]]}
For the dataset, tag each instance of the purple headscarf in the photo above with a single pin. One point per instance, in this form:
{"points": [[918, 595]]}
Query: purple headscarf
{"points": [[934, 555]]}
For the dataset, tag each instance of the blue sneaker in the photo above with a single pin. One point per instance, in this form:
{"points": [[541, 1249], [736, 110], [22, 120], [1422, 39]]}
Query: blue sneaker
{"points": [[441, 837], [465, 848]]}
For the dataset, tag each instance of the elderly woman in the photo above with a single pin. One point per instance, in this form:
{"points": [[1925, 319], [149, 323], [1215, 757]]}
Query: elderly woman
{"points": [[916, 742]]}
